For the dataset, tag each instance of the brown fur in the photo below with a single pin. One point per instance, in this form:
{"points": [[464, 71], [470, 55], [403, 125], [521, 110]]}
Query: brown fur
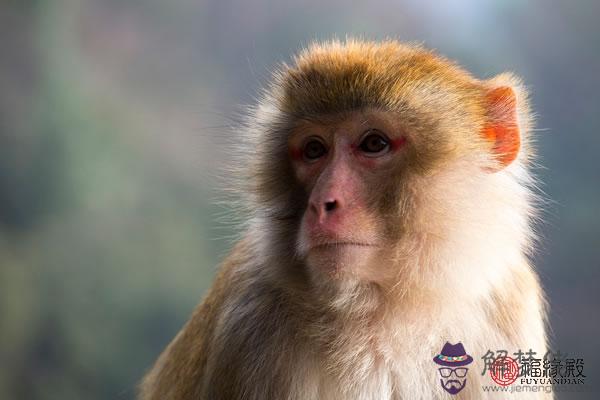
{"points": [[452, 214]]}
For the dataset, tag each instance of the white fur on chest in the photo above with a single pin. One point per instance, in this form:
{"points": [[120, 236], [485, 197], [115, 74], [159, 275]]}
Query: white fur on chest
{"points": [[402, 367]]}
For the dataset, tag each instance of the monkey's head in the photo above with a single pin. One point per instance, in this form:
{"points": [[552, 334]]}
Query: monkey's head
{"points": [[375, 160]]}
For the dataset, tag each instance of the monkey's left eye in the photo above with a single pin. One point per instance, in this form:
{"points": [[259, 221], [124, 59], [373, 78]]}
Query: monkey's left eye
{"points": [[314, 149], [374, 144]]}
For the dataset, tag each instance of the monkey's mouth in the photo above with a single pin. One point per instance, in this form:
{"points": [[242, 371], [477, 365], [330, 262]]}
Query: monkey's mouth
{"points": [[340, 245]]}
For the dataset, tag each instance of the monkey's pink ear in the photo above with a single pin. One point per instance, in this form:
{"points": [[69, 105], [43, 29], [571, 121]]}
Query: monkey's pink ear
{"points": [[502, 127]]}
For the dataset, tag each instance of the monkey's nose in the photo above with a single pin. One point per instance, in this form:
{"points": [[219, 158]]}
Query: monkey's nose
{"points": [[325, 208], [331, 205]]}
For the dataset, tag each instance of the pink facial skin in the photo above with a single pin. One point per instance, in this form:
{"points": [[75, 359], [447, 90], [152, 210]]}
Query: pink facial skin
{"points": [[332, 198], [296, 154], [338, 230], [397, 144], [337, 188]]}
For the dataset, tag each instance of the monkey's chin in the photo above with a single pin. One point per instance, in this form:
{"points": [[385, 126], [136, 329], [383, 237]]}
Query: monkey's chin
{"points": [[339, 260]]}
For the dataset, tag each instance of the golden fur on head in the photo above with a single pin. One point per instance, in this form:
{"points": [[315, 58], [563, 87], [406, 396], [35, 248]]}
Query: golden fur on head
{"points": [[336, 77]]}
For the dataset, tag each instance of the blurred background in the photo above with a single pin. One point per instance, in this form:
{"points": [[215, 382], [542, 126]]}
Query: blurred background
{"points": [[112, 120]]}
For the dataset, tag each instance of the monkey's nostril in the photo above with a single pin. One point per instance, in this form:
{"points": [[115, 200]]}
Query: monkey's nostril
{"points": [[330, 205]]}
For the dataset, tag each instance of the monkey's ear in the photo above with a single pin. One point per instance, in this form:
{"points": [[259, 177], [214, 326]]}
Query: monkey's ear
{"points": [[502, 127]]}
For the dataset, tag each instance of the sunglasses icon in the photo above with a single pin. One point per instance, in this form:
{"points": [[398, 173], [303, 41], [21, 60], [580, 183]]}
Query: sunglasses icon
{"points": [[447, 372]]}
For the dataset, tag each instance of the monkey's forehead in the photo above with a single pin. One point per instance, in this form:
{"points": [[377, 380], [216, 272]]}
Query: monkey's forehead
{"points": [[339, 76]]}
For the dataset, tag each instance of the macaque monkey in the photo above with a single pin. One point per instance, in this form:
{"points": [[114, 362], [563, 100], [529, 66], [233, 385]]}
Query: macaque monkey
{"points": [[391, 211]]}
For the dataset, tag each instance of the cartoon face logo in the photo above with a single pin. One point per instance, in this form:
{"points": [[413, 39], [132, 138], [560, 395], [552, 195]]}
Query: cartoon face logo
{"points": [[453, 373]]}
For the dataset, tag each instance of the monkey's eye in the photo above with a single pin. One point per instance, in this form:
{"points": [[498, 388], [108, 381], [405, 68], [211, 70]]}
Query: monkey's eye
{"points": [[314, 149], [374, 144]]}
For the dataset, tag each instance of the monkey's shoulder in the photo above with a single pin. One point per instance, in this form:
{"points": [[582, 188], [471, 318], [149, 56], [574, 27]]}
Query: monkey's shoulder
{"points": [[180, 370]]}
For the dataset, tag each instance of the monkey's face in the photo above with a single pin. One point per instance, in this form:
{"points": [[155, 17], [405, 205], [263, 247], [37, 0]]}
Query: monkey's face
{"points": [[346, 165], [379, 161]]}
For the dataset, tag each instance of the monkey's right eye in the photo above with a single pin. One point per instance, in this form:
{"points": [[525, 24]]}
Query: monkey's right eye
{"points": [[314, 149]]}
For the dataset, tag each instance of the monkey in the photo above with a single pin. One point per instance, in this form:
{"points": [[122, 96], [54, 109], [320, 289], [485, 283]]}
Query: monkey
{"points": [[391, 209]]}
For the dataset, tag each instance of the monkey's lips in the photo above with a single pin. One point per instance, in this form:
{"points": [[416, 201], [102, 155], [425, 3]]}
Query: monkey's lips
{"points": [[339, 245]]}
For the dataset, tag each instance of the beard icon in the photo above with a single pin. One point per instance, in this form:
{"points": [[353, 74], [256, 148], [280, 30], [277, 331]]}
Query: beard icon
{"points": [[453, 386]]}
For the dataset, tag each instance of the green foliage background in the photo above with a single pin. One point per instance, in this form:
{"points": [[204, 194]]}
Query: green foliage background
{"points": [[115, 118]]}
